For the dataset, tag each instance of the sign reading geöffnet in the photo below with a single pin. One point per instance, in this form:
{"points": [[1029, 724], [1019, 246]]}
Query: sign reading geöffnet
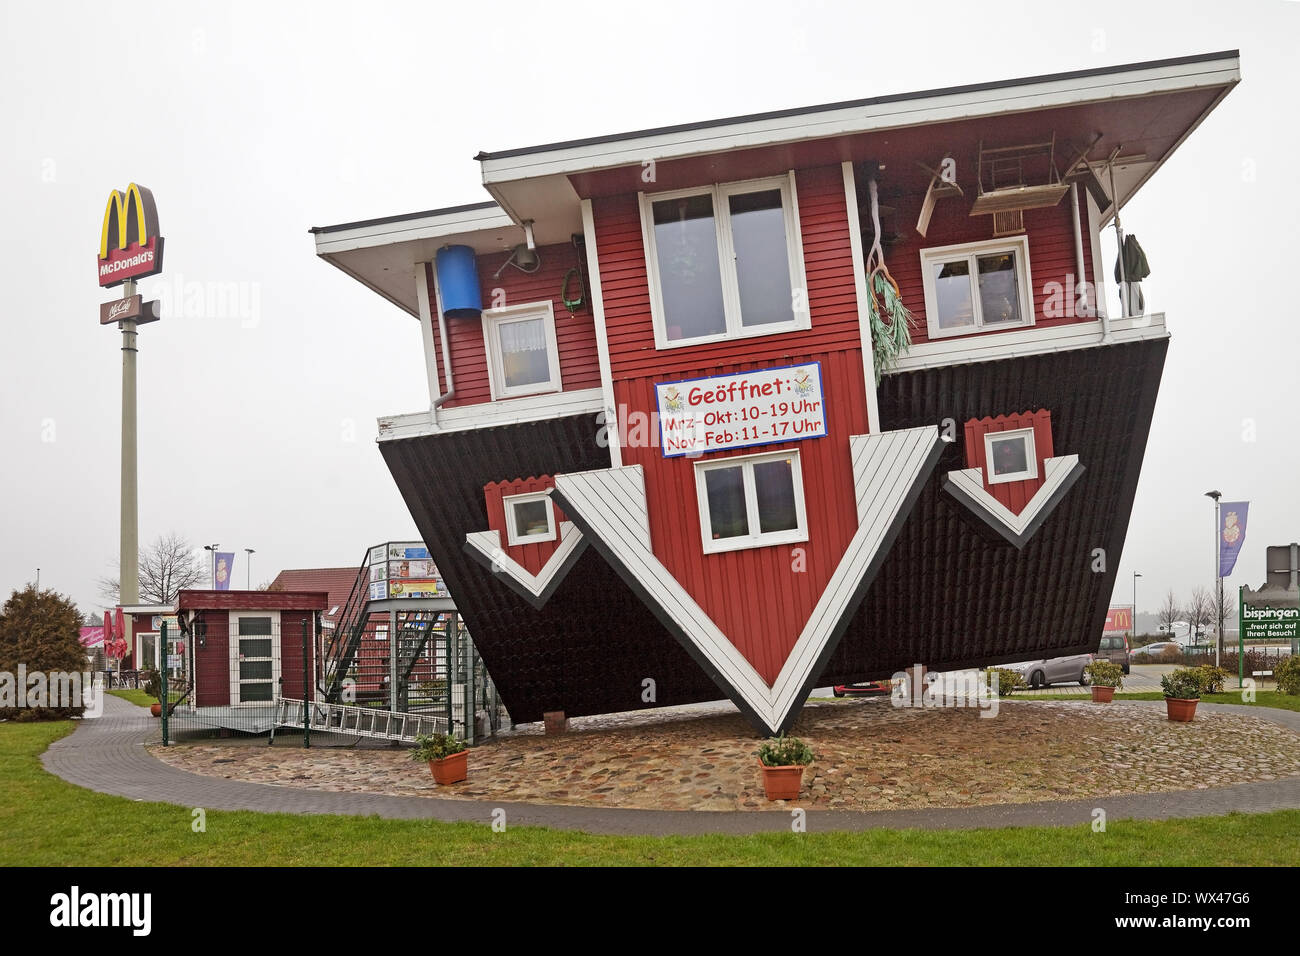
{"points": [[761, 407]]}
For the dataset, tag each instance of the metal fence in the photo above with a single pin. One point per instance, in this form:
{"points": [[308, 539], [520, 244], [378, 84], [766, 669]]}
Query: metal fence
{"points": [[226, 676]]}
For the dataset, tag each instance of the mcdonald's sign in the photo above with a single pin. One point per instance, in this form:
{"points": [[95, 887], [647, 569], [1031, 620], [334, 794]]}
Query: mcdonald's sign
{"points": [[129, 244]]}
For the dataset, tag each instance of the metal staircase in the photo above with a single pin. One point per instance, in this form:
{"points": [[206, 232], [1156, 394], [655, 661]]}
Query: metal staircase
{"points": [[349, 627]]}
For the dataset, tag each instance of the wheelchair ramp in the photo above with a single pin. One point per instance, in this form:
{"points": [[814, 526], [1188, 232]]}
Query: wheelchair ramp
{"points": [[358, 721]]}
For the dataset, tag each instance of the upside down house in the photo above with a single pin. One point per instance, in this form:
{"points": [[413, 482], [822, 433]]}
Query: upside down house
{"points": [[746, 406]]}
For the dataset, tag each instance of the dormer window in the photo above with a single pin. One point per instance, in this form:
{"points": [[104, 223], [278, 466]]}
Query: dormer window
{"points": [[724, 261], [529, 518], [977, 287], [1010, 455]]}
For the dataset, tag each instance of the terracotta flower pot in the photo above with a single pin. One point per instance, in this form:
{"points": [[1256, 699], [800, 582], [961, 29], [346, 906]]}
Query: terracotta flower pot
{"points": [[782, 783], [1180, 709], [451, 769], [1103, 695], [155, 709]]}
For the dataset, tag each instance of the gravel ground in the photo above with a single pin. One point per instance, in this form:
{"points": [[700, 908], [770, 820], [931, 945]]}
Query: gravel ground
{"points": [[870, 756]]}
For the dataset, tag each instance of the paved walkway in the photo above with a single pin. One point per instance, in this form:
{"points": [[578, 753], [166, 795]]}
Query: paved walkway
{"points": [[108, 755]]}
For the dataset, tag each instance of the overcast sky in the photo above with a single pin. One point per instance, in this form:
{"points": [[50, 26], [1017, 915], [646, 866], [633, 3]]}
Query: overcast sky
{"points": [[252, 122]]}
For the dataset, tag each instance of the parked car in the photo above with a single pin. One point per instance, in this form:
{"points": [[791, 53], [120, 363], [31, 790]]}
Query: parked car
{"points": [[1153, 652], [864, 689], [1057, 670], [1114, 648]]}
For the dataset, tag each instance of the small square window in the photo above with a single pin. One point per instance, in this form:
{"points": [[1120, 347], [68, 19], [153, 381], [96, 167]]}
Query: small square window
{"points": [[529, 519], [522, 352], [751, 501], [980, 286], [1010, 456]]}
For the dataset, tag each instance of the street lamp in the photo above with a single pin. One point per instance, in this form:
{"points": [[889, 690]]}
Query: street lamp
{"points": [[248, 567], [213, 549], [1218, 581], [1134, 622]]}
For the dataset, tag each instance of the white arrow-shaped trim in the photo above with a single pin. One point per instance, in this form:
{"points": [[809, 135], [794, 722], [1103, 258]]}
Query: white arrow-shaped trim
{"points": [[609, 505], [967, 486], [485, 546]]}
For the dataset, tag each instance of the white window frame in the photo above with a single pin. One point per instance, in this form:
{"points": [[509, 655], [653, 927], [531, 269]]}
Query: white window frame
{"points": [[1031, 455], [937, 255], [735, 328], [139, 647], [753, 539], [513, 536], [492, 318], [233, 636]]}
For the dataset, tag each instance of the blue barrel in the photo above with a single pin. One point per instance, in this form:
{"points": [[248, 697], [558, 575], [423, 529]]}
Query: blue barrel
{"points": [[458, 283]]}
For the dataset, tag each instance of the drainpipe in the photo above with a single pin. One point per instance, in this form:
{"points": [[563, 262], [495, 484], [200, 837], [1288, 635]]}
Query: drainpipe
{"points": [[446, 349], [1090, 300], [1119, 242]]}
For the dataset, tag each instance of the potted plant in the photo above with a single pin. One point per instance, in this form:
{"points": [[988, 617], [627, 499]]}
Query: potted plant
{"points": [[1182, 691], [782, 760], [153, 687], [446, 756], [1105, 677]]}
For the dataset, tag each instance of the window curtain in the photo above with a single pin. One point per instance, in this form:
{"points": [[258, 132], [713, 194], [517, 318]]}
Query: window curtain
{"points": [[523, 337]]}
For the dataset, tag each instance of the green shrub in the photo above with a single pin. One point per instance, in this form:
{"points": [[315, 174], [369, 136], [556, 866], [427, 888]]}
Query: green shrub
{"points": [[1003, 682], [1287, 675], [152, 683], [1209, 679], [784, 751], [40, 631], [1104, 673], [436, 746], [1181, 684]]}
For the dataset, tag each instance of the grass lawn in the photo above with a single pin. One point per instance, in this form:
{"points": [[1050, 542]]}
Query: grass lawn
{"points": [[137, 697], [1263, 698], [48, 822]]}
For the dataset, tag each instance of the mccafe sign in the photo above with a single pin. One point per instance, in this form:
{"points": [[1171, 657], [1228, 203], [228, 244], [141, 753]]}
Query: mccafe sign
{"points": [[129, 244]]}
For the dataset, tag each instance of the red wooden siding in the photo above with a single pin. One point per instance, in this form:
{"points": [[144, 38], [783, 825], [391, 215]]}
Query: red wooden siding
{"points": [[1051, 252], [291, 641], [760, 597], [212, 661], [575, 335], [828, 267], [531, 556], [1013, 494]]}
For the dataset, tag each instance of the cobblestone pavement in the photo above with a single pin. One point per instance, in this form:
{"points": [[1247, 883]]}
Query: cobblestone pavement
{"points": [[109, 755], [870, 756]]}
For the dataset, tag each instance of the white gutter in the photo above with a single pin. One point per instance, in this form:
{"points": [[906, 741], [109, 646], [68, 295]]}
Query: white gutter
{"points": [[446, 349], [1081, 282]]}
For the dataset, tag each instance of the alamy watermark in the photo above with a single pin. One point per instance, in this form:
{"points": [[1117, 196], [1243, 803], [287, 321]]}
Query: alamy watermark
{"points": [[52, 690]]}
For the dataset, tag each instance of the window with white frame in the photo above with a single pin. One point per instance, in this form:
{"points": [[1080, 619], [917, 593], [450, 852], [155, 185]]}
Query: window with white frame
{"points": [[724, 261], [529, 518], [751, 501], [1010, 456], [522, 353], [978, 286]]}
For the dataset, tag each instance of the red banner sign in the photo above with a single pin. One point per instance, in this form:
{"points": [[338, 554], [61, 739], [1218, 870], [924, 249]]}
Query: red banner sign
{"points": [[1119, 619]]}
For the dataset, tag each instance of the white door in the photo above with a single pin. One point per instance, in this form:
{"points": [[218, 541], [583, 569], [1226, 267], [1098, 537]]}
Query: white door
{"points": [[254, 657]]}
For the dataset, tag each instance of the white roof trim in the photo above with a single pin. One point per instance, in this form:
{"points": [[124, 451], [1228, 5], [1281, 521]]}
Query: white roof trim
{"points": [[943, 107], [365, 236]]}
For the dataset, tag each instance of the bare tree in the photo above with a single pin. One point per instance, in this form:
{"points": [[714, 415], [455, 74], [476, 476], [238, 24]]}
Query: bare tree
{"points": [[167, 566], [1201, 610], [1169, 612]]}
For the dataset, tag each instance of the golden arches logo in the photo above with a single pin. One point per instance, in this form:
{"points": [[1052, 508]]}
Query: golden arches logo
{"points": [[129, 219]]}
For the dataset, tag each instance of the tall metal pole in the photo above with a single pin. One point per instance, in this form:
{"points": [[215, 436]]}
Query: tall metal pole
{"points": [[129, 556], [1218, 578]]}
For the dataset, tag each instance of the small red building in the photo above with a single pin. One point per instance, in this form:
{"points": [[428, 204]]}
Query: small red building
{"points": [[676, 442], [247, 646]]}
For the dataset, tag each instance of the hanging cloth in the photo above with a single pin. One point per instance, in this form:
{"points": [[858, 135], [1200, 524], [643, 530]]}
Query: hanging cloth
{"points": [[1135, 262]]}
